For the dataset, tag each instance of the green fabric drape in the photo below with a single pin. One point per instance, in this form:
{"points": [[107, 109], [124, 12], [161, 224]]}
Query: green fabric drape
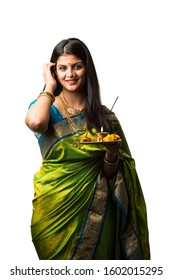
{"points": [[77, 212]]}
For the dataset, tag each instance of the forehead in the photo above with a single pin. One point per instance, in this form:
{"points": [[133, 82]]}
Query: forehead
{"points": [[68, 59]]}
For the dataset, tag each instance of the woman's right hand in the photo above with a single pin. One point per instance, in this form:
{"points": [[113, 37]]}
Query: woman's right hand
{"points": [[49, 77]]}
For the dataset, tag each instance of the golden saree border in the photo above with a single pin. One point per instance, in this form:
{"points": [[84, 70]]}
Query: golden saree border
{"points": [[129, 239], [58, 131], [91, 229]]}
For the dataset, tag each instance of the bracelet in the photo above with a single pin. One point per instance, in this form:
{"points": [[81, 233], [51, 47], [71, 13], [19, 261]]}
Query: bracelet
{"points": [[48, 94], [112, 163]]}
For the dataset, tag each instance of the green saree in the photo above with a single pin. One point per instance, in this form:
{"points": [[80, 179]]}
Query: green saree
{"points": [[77, 213]]}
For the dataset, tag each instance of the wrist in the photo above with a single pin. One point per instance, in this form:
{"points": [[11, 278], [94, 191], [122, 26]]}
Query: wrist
{"points": [[48, 95], [49, 89], [111, 157], [110, 161]]}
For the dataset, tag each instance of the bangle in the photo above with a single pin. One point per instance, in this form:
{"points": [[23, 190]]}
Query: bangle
{"points": [[47, 94], [112, 163]]}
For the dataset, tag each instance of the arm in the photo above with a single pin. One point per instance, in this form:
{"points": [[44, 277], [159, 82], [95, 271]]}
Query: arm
{"points": [[111, 160], [110, 165], [38, 115]]}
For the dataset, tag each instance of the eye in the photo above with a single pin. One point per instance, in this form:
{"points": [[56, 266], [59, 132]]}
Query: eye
{"points": [[62, 68], [78, 66]]}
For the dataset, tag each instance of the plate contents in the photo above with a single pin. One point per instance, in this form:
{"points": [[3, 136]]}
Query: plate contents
{"points": [[85, 139], [111, 137], [100, 138]]}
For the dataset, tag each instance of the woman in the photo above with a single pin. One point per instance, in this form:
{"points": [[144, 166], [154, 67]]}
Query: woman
{"points": [[88, 202]]}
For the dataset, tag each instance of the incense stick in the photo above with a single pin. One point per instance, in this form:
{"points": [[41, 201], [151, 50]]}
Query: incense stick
{"points": [[114, 103]]}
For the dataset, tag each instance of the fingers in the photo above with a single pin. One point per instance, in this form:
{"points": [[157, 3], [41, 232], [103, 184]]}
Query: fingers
{"points": [[49, 76], [47, 66], [47, 70]]}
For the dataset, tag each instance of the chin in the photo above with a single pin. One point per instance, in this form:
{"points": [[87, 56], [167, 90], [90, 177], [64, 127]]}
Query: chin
{"points": [[72, 89]]}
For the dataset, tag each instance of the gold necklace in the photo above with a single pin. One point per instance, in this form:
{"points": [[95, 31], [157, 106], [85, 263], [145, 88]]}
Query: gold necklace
{"points": [[68, 116], [73, 126], [72, 111]]}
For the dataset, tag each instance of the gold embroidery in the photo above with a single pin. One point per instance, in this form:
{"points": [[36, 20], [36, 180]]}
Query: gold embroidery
{"points": [[93, 225], [129, 239], [131, 244], [58, 131]]}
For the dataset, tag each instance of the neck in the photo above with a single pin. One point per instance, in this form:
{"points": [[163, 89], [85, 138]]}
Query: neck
{"points": [[74, 99]]}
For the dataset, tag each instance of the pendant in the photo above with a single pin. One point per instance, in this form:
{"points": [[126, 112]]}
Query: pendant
{"points": [[72, 111]]}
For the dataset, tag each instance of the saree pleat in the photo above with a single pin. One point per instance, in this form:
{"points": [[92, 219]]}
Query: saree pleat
{"points": [[77, 212]]}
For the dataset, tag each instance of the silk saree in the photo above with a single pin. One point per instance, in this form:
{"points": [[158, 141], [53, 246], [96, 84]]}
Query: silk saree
{"points": [[78, 214]]}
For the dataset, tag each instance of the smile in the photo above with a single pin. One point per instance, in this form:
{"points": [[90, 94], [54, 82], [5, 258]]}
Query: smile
{"points": [[72, 81]]}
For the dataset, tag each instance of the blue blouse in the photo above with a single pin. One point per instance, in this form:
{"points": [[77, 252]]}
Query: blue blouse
{"points": [[55, 114]]}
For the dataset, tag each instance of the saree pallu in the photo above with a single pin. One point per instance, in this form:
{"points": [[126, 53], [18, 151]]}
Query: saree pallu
{"points": [[77, 212]]}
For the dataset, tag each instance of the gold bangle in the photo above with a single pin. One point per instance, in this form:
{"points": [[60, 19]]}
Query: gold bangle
{"points": [[112, 163], [48, 94]]}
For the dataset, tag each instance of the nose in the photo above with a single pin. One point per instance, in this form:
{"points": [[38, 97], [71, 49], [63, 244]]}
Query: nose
{"points": [[70, 73]]}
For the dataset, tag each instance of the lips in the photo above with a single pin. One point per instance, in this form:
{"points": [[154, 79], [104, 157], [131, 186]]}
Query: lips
{"points": [[72, 81]]}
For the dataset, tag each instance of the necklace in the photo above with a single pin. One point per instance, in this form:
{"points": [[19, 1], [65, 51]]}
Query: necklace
{"points": [[72, 111], [68, 115], [73, 126]]}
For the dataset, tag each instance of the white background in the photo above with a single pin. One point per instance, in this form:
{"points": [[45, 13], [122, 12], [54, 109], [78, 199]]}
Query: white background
{"points": [[131, 43]]}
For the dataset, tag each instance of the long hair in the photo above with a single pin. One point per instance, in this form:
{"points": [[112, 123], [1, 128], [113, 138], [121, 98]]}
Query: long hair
{"points": [[94, 111]]}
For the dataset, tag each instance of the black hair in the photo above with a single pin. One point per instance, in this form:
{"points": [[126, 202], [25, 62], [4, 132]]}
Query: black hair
{"points": [[94, 111]]}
